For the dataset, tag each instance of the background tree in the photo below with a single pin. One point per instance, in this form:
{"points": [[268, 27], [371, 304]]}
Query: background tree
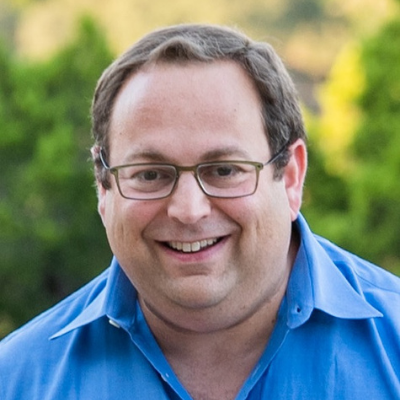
{"points": [[361, 100], [51, 240], [375, 195]]}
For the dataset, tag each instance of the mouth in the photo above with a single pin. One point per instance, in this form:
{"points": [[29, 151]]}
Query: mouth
{"points": [[192, 247]]}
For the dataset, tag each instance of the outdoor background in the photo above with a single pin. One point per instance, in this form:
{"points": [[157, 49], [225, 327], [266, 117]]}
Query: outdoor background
{"points": [[343, 55]]}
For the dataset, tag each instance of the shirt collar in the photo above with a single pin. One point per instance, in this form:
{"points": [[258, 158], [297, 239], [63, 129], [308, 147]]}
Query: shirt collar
{"points": [[319, 281], [117, 301]]}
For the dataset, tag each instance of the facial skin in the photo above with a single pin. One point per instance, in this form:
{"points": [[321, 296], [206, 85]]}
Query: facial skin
{"points": [[185, 115]]}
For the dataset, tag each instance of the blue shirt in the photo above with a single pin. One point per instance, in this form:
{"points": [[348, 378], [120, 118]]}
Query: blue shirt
{"points": [[337, 336]]}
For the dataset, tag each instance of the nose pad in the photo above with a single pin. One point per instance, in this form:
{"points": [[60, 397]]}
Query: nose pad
{"points": [[188, 203]]}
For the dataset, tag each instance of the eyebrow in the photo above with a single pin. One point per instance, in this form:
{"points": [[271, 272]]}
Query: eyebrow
{"points": [[151, 155], [225, 152], [148, 155]]}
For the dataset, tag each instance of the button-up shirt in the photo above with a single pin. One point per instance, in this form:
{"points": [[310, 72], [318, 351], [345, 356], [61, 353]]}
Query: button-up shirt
{"points": [[337, 336]]}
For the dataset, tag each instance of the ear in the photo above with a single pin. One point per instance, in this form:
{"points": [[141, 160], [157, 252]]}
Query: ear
{"points": [[294, 176], [101, 200]]}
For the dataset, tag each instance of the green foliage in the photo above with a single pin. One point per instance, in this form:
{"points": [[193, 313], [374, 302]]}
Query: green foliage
{"points": [[375, 204], [51, 239], [325, 199], [360, 209]]}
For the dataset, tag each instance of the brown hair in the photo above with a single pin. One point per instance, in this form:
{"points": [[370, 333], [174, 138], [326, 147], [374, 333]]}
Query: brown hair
{"points": [[204, 43]]}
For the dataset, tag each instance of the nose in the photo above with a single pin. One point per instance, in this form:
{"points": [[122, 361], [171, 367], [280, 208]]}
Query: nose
{"points": [[188, 204]]}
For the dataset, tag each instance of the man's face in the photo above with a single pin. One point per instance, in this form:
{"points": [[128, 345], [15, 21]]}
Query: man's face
{"points": [[185, 115]]}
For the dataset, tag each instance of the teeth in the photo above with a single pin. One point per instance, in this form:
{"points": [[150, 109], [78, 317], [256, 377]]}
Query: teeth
{"points": [[192, 247], [186, 247]]}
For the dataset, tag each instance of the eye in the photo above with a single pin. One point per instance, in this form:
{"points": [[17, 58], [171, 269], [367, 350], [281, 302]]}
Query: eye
{"points": [[148, 175], [225, 170], [225, 175], [222, 171], [152, 174]]}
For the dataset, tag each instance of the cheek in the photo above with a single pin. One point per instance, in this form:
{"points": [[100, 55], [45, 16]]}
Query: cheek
{"points": [[124, 221], [113, 220], [268, 217]]}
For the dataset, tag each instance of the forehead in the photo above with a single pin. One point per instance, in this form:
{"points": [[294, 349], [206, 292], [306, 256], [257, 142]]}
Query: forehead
{"points": [[191, 104]]}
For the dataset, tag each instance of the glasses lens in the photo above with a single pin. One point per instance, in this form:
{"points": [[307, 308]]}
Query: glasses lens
{"points": [[228, 179], [147, 181]]}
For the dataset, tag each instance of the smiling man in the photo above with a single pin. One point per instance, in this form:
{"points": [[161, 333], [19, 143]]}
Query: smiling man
{"points": [[217, 289]]}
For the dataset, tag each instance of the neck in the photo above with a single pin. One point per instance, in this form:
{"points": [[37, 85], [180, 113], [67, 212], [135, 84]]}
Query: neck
{"points": [[206, 339], [215, 364]]}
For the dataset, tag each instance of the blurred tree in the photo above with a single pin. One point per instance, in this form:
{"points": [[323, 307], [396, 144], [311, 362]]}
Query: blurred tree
{"points": [[375, 204], [340, 117], [326, 193], [51, 238], [308, 33], [359, 135]]}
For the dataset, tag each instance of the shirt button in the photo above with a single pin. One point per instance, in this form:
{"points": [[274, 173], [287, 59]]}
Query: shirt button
{"points": [[113, 323], [165, 377]]}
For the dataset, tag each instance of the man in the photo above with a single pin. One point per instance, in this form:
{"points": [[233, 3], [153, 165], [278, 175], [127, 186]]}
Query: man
{"points": [[218, 289]]}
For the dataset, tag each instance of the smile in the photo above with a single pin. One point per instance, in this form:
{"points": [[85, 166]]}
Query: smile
{"points": [[192, 247]]}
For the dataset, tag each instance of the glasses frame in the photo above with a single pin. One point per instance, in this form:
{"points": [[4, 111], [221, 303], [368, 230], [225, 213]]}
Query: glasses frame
{"points": [[194, 169]]}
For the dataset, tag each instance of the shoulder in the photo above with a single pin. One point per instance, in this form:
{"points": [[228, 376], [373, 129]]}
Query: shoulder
{"points": [[41, 328], [363, 276], [28, 357], [363, 303]]}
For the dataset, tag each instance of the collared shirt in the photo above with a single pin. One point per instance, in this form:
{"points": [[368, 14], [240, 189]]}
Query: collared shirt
{"points": [[337, 336]]}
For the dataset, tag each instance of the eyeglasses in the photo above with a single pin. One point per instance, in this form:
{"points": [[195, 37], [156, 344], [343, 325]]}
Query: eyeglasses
{"points": [[222, 179]]}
